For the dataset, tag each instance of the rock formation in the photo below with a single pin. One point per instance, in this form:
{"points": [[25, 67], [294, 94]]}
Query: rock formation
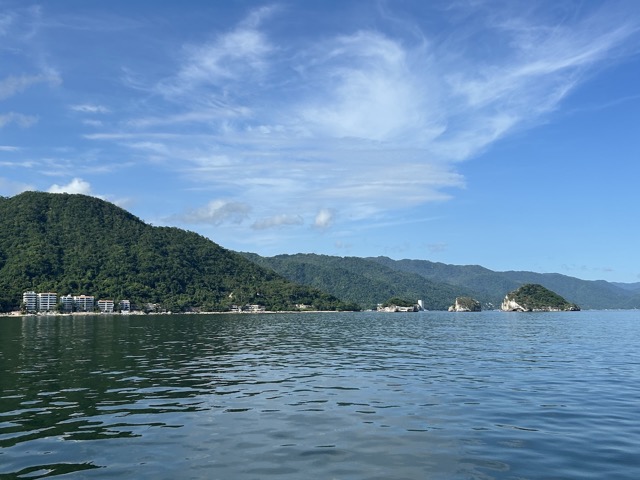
{"points": [[465, 304], [535, 298]]}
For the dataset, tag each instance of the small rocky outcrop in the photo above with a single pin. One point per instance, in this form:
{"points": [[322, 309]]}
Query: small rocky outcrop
{"points": [[465, 304], [536, 298]]}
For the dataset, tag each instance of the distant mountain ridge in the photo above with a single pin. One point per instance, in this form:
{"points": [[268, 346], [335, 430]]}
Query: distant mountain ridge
{"points": [[362, 280], [490, 286]]}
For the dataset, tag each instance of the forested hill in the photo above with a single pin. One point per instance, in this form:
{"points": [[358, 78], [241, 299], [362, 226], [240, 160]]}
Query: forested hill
{"points": [[491, 286], [359, 280], [375, 279], [76, 244]]}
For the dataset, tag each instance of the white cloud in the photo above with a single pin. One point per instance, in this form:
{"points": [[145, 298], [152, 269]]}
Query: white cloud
{"points": [[77, 185], [367, 87], [277, 221], [21, 120], [8, 148], [89, 108], [324, 219], [216, 212]]}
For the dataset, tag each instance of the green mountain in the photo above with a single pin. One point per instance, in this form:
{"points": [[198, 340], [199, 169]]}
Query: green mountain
{"points": [[373, 280], [358, 280], [532, 297], [490, 287], [76, 244]]}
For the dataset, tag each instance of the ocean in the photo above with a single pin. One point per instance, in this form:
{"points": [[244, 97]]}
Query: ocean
{"points": [[427, 395]]}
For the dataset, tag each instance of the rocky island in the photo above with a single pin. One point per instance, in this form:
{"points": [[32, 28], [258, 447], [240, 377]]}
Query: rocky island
{"points": [[465, 304], [536, 298]]}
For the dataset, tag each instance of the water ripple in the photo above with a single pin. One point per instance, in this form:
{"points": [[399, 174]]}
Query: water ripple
{"points": [[366, 395]]}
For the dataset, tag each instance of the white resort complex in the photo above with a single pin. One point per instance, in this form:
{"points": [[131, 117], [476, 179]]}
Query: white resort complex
{"points": [[33, 302]]}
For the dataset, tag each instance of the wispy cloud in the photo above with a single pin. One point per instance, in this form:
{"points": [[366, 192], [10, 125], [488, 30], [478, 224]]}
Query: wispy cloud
{"points": [[15, 84], [19, 119], [223, 64], [215, 212], [89, 108], [277, 221], [363, 123]]}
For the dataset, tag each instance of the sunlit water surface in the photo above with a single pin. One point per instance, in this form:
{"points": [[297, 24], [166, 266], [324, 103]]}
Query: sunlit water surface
{"points": [[430, 395]]}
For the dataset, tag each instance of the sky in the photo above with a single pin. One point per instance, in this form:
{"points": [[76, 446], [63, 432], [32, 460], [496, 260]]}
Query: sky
{"points": [[497, 133]]}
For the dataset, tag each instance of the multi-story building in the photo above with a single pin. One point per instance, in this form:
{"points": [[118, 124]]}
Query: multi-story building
{"points": [[67, 303], [47, 301], [84, 303], [125, 306], [105, 306], [30, 301]]}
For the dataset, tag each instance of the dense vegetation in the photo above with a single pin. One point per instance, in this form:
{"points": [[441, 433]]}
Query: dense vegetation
{"points": [[77, 244], [359, 280], [370, 281], [489, 287], [536, 297], [398, 302]]}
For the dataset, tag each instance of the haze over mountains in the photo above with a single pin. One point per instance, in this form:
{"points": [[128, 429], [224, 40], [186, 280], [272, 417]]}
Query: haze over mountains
{"points": [[77, 244]]}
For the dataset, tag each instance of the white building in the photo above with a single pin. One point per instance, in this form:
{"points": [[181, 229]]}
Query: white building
{"points": [[67, 303], [47, 301], [105, 306], [30, 300], [84, 303]]}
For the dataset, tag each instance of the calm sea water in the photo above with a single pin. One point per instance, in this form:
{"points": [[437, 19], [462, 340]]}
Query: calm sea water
{"points": [[431, 395]]}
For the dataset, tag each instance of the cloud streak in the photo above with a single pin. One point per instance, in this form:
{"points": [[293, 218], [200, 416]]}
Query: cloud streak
{"points": [[215, 212], [14, 84]]}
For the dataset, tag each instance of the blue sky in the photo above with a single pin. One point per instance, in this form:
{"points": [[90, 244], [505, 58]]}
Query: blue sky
{"points": [[499, 133]]}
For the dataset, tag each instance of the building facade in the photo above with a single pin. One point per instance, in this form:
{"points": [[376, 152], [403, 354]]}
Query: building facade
{"points": [[67, 303], [47, 301], [105, 306], [84, 303], [30, 301]]}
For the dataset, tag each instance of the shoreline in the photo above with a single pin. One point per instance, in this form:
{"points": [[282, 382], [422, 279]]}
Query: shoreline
{"points": [[142, 314]]}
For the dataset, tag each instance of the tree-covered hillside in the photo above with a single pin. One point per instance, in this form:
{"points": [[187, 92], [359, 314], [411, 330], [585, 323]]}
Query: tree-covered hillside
{"points": [[76, 244], [532, 297], [490, 287], [373, 280], [359, 280]]}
